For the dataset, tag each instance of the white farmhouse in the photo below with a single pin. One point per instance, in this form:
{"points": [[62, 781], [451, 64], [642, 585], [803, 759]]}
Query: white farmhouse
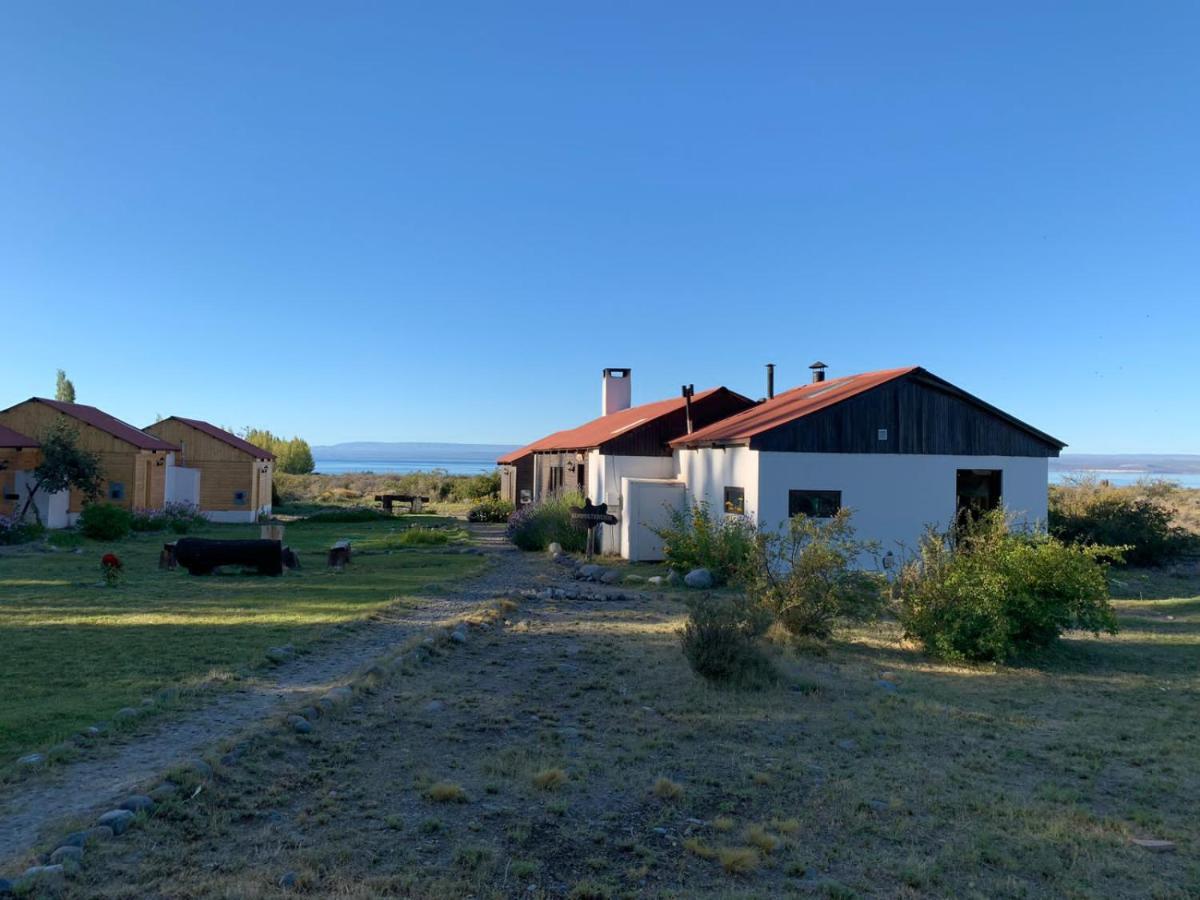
{"points": [[902, 448]]}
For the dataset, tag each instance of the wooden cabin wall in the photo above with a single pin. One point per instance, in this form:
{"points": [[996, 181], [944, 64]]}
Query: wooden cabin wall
{"points": [[14, 460], [918, 417], [224, 469], [120, 462]]}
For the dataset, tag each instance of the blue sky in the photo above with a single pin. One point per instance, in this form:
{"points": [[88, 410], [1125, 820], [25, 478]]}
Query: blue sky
{"points": [[440, 221]]}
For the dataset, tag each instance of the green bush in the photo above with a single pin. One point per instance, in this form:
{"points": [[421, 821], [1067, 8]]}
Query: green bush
{"points": [[808, 576], [537, 526], [490, 511], [722, 641], [1091, 512], [105, 522], [17, 531], [179, 518], [983, 592], [422, 537], [696, 539], [481, 486]]}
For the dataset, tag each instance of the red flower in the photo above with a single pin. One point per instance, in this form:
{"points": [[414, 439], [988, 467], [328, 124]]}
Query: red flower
{"points": [[110, 561]]}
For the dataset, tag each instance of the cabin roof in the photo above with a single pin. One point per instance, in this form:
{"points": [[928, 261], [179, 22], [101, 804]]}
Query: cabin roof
{"points": [[221, 434], [10, 439], [810, 398], [596, 432], [102, 421]]}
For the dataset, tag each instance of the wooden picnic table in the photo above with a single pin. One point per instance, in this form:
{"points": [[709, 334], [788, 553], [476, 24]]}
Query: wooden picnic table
{"points": [[414, 501]]}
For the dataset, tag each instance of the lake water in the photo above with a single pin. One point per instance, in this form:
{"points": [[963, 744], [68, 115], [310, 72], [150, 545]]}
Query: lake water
{"points": [[1187, 479], [401, 466]]}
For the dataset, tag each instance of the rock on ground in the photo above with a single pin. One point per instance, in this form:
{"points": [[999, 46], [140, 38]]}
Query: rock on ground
{"points": [[700, 579]]}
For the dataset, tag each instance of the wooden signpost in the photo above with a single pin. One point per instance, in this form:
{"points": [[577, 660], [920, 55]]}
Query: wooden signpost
{"points": [[589, 516]]}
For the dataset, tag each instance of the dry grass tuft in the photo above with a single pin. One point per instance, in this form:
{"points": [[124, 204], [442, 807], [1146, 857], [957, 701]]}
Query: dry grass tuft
{"points": [[738, 860], [722, 823], [697, 846], [759, 837], [666, 789], [446, 792], [786, 826], [550, 779], [762, 779]]}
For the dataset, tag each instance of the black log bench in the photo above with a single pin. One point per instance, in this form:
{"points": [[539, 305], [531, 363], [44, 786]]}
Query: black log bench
{"points": [[201, 556]]}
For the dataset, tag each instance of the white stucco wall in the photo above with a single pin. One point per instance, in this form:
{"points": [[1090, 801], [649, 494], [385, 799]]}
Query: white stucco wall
{"points": [[182, 485], [51, 508], [604, 477], [226, 516], [894, 496], [647, 505], [708, 472]]}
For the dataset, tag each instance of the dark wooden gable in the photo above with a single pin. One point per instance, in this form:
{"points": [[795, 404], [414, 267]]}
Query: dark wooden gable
{"points": [[651, 438], [921, 413]]}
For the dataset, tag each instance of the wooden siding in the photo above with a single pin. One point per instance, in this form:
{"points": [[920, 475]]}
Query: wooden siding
{"points": [[651, 438], [120, 461], [224, 469], [12, 461], [517, 477], [920, 416]]}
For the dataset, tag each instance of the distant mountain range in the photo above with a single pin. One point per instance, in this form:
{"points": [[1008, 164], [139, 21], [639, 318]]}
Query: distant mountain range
{"points": [[398, 451], [1149, 463]]}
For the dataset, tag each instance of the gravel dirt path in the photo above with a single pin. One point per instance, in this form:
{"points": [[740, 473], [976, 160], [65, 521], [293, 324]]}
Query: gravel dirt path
{"points": [[72, 789]]}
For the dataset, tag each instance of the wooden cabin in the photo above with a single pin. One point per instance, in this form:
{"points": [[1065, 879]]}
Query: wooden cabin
{"points": [[234, 475], [19, 456], [134, 463]]}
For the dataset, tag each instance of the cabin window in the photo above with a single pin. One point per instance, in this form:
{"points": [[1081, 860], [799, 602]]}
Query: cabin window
{"points": [[116, 490], [881, 434], [815, 504], [239, 497], [977, 490], [735, 501]]}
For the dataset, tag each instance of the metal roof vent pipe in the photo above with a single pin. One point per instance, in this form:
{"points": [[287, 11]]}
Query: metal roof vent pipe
{"points": [[770, 380], [688, 391], [616, 392], [818, 370]]}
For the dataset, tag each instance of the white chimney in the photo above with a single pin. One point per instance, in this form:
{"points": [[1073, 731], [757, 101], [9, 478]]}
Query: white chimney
{"points": [[617, 392]]}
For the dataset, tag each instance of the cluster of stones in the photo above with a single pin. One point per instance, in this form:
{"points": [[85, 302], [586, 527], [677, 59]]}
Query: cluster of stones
{"points": [[700, 579], [84, 738], [68, 855]]}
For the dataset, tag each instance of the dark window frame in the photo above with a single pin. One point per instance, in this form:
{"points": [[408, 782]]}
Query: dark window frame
{"points": [[816, 504], [739, 493], [240, 498], [116, 490]]}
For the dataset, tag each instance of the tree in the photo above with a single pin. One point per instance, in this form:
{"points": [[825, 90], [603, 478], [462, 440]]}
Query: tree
{"points": [[64, 465], [293, 457], [296, 458], [64, 390]]}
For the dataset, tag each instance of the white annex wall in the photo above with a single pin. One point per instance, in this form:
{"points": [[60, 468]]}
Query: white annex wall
{"points": [[605, 474], [183, 485], [648, 502], [708, 472], [894, 496]]}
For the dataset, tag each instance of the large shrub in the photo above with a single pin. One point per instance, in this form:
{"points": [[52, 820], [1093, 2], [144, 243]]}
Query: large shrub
{"points": [[983, 592], [537, 526], [695, 538], [16, 531], [105, 522], [490, 511], [1136, 517], [480, 486], [722, 641], [808, 575]]}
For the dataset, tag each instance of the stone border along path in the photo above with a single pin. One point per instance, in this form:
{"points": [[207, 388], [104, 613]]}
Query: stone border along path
{"points": [[75, 788]]}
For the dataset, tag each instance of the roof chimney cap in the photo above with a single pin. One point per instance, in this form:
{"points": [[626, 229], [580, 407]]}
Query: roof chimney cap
{"points": [[818, 370], [818, 365]]}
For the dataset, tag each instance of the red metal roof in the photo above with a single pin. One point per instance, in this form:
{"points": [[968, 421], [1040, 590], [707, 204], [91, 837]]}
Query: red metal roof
{"points": [[596, 432], [789, 406], [10, 439], [221, 434], [97, 418]]}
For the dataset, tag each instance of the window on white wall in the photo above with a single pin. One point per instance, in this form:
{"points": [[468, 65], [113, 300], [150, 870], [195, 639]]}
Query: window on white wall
{"points": [[815, 504], [735, 501]]}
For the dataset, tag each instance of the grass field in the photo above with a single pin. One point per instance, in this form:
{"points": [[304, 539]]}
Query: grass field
{"points": [[73, 651], [573, 754]]}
